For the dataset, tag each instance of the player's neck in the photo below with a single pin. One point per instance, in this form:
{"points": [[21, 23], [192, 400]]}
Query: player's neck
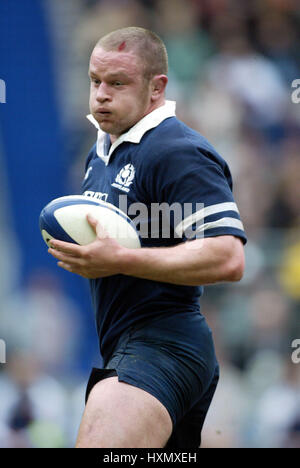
{"points": [[151, 108], [155, 105]]}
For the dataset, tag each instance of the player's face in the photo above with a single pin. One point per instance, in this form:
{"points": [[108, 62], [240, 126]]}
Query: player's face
{"points": [[119, 94]]}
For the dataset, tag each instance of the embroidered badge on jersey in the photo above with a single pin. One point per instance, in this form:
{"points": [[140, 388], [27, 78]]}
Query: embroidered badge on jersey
{"points": [[124, 178]]}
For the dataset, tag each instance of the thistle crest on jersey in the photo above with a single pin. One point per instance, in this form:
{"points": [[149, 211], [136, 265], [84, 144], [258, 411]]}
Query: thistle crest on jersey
{"points": [[124, 178]]}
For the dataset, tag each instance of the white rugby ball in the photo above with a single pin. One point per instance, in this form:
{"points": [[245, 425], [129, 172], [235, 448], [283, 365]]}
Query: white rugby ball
{"points": [[65, 219]]}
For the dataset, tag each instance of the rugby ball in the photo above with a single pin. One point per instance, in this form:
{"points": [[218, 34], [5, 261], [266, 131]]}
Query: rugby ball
{"points": [[65, 219]]}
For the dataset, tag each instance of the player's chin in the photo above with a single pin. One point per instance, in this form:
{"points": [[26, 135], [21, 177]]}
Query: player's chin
{"points": [[112, 129], [107, 126]]}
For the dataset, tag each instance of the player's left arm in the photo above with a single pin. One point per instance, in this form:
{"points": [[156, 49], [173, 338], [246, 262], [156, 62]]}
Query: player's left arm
{"points": [[196, 262]]}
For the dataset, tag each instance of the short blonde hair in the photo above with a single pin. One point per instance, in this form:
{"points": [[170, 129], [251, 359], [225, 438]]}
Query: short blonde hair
{"points": [[146, 44]]}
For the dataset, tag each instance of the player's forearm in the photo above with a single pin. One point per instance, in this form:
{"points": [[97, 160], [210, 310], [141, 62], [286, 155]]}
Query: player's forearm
{"points": [[197, 262]]}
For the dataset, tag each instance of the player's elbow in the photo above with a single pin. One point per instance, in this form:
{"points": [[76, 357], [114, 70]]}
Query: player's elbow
{"points": [[235, 270], [236, 264]]}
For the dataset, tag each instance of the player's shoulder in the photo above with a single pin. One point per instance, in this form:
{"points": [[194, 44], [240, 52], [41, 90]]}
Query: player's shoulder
{"points": [[173, 140]]}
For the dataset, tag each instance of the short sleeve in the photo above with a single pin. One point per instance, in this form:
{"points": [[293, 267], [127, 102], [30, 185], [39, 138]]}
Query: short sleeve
{"points": [[197, 189]]}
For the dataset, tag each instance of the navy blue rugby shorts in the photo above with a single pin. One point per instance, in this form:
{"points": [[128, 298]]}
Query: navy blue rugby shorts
{"points": [[173, 359]]}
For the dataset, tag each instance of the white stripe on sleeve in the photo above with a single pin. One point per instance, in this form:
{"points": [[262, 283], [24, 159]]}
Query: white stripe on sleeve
{"points": [[204, 212], [224, 222]]}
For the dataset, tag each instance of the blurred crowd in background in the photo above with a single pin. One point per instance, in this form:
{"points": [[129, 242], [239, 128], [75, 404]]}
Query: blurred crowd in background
{"points": [[232, 64]]}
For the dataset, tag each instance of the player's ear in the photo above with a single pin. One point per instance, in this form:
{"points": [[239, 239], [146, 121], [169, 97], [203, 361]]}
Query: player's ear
{"points": [[158, 84]]}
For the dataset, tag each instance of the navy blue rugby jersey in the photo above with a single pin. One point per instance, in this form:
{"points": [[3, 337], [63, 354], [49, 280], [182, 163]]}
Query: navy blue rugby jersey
{"points": [[158, 163]]}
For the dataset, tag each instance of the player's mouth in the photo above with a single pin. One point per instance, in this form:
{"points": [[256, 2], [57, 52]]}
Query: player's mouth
{"points": [[102, 112]]}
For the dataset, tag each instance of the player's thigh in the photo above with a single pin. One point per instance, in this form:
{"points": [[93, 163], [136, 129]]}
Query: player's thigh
{"points": [[118, 415]]}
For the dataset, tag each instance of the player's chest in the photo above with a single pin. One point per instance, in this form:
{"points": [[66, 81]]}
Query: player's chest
{"points": [[112, 181]]}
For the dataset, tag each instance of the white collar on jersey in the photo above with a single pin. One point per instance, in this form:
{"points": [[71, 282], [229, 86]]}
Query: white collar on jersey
{"points": [[135, 133]]}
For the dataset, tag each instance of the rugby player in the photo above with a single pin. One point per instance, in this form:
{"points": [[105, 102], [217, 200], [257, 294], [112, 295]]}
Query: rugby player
{"points": [[160, 370]]}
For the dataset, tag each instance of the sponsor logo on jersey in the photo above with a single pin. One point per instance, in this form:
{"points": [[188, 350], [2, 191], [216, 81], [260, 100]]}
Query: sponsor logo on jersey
{"points": [[97, 195], [124, 178]]}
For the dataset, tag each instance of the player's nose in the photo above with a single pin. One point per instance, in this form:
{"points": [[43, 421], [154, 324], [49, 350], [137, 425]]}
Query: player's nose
{"points": [[102, 93]]}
